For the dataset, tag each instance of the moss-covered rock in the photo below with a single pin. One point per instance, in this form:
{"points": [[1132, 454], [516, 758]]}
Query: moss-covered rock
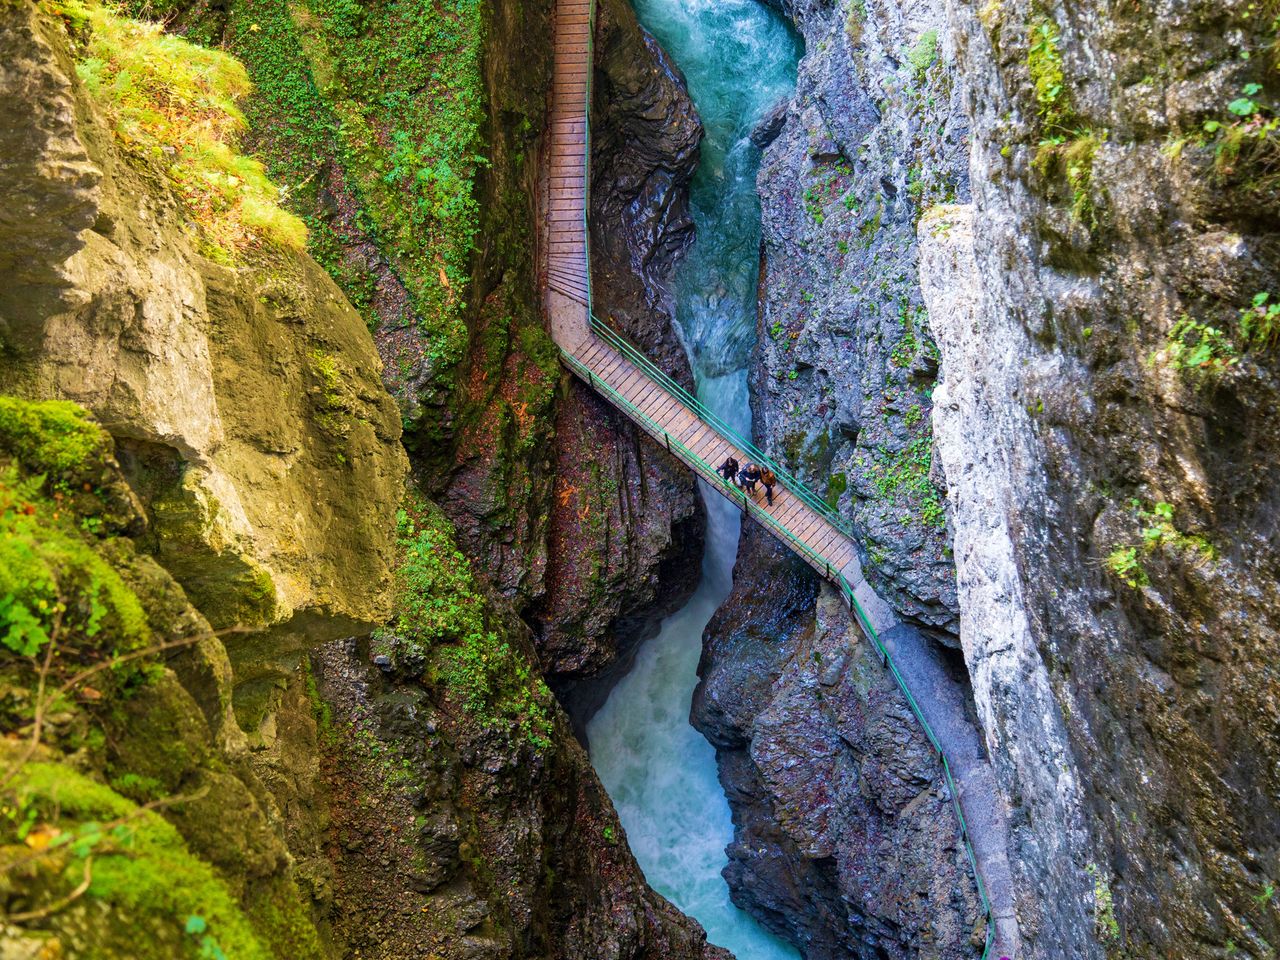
{"points": [[260, 508]]}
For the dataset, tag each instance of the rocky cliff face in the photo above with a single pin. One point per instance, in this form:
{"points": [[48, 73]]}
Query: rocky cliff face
{"points": [[414, 793], [844, 839], [184, 503], [1111, 467], [857, 850], [841, 388], [1102, 315], [173, 352]]}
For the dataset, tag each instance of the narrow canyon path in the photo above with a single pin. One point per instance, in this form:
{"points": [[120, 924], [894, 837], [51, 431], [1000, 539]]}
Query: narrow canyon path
{"points": [[615, 369]]}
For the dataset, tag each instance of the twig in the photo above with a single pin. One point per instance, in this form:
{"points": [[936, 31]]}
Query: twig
{"points": [[57, 905], [37, 726]]}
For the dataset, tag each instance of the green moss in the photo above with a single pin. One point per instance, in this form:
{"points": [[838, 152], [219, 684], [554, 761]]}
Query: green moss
{"points": [[854, 20], [837, 484], [400, 85], [143, 875], [1068, 145], [53, 437], [442, 617], [165, 94], [49, 570]]}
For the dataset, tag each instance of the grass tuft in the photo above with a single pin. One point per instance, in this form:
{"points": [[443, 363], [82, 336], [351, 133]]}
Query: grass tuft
{"points": [[174, 104]]}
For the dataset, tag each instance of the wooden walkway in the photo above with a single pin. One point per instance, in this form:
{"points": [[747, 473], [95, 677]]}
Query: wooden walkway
{"points": [[624, 377], [637, 393]]}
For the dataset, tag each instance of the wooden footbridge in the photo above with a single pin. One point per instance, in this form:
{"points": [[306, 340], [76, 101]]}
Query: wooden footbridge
{"points": [[607, 362]]}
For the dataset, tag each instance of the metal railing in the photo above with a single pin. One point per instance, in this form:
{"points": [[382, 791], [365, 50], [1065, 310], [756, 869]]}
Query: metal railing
{"points": [[815, 503], [727, 489]]}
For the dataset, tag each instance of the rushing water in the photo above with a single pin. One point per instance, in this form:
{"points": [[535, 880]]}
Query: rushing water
{"points": [[739, 59]]}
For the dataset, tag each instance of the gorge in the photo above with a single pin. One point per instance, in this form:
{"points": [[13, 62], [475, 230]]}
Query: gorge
{"points": [[348, 607]]}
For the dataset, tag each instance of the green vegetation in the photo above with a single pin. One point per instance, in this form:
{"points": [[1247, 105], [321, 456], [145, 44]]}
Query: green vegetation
{"points": [[173, 104], [401, 84], [924, 54], [856, 17], [1158, 533], [1104, 910], [1246, 138], [1124, 563], [1260, 322], [1208, 350], [1067, 145], [442, 617], [51, 578], [1198, 346], [837, 484], [1044, 60], [55, 438], [138, 868], [906, 476]]}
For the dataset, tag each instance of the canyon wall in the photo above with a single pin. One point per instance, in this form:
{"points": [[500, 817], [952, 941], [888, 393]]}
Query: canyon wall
{"points": [[1105, 426], [626, 532], [1090, 207], [857, 850]]}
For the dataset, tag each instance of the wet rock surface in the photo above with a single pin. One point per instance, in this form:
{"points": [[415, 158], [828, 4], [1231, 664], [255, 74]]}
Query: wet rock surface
{"points": [[845, 842], [463, 842], [1115, 531]]}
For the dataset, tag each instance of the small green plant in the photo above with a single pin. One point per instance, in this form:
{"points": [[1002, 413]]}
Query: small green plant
{"points": [[932, 512], [1044, 60], [1260, 321], [913, 415], [1200, 347], [924, 54], [1124, 563], [1104, 910]]}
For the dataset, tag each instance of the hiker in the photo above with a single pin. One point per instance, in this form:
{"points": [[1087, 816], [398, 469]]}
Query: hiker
{"points": [[748, 477], [729, 469], [768, 479]]}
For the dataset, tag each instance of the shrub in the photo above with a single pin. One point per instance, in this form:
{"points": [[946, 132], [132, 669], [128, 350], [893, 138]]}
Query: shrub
{"points": [[924, 54]]}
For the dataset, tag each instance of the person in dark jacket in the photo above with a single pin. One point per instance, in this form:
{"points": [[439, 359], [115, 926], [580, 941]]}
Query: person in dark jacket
{"points": [[748, 477], [768, 478], [729, 469]]}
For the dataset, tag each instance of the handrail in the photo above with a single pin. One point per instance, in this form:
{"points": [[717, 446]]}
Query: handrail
{"points": [[619, 342], [700, 465], [727, 489]]}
